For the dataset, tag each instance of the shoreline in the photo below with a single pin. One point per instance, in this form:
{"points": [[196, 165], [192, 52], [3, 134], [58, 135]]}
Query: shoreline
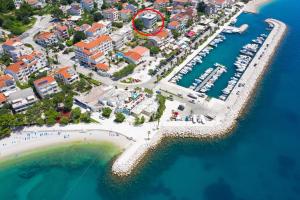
{"points": [[236, 104], [254, 6], [30, 141]]}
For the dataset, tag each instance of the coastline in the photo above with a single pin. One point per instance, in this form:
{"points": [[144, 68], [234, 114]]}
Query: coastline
{"points": [[236, 105], [30, 141], [255, 5]]}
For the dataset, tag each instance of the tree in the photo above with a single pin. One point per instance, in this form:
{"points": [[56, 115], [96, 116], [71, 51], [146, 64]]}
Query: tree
{"points": [[139, 24], [175, 33], [86, 117], [68, 104], [6, 124], [97, 16], [106, 112], [64, 121], [124, 71], [24, 13], [119, 117], [75, 115], [201, 7], [56, 12], [154, 50], [78, 36], [6, 6]]}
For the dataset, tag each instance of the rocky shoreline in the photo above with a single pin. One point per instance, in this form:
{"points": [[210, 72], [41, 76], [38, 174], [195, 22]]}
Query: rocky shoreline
{"points": [[236, 104]]}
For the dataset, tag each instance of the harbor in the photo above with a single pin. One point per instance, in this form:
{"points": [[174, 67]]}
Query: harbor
{"points": [[234, 51]]}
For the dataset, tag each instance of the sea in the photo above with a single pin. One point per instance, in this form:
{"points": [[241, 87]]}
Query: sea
{"points": [[259, 160]]}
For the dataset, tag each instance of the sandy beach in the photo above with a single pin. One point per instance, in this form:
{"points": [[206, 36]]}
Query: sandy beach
{"points": [[29, 140], [254, 5]]}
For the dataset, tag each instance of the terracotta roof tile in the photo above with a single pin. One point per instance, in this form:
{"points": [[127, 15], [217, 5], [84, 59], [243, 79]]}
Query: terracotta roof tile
{"points": [[44, 80]]}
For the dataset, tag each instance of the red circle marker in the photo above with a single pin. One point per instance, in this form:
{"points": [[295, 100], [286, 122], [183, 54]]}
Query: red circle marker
{"points": [[148, 34]]}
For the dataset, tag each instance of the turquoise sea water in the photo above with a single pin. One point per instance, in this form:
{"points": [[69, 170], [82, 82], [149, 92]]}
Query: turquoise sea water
{"points": [[260, 160]]}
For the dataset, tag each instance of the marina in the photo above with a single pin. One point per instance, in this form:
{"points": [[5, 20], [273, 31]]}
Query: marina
{"points": [[234, 51]]}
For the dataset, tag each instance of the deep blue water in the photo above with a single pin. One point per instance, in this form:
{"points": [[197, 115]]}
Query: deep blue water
{"points": [[259, 161], [226, 53]]}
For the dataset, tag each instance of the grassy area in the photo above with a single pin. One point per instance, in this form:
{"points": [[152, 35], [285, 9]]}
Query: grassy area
{"points": [[12, 24], [89, 79]]}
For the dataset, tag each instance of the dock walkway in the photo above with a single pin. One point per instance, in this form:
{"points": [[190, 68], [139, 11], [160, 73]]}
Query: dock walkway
{"points": [[207, 78]]}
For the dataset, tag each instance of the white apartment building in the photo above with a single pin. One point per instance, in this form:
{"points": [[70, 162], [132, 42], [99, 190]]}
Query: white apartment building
{"points": [[46, 86], [67, 74], [22, 99]]}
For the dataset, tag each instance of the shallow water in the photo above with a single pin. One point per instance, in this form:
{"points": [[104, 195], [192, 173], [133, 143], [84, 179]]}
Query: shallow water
{"points": [[260, 160]]}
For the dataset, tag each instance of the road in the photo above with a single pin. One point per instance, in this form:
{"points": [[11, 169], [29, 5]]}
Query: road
{"points": [[42, 23]]}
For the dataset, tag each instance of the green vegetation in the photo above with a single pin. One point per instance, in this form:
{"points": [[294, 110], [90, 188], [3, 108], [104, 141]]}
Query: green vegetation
{"points": [[119, 117], [106, 112], [201, 7], [78, 36], [117, 24], [124, 71], [175, 34], [139, 121], [153, 49], [139, 24], [5, 59], [89, 79], [161, 107]]}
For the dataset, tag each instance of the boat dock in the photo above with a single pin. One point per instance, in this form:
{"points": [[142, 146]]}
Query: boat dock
{"points": [[203, 83]]}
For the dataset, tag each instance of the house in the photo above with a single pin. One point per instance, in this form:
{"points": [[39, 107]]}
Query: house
{"points": [[131, 7], [160, 39], [46, 86], [107, 24], [87, 5], [46, 39], [36, 3], [175, 25], [160, 4], [67, 74], [99, 3], [33, 3], [125, 14], [26, 65], [7, 84], [126, 32], [181, 17], [149, 20], [137, 54], [118, 41], [3, 99], [96, 29], [101, 67], [93, 51], [15, 48], [75, 9], [22, 99], [181, 2], [61, 31], [111, 2], [111, 14]]}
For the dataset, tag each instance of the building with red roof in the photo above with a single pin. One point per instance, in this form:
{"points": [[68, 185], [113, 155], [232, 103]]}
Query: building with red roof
{"points": [[96, 29], [93, 51], [46, 86], [15, 48], [46, 39], [111, 14], [137, 54], [26, 65], [126, 14], [67, 74], [3, 99], [159, 4], [160, 39], [7, 83]]}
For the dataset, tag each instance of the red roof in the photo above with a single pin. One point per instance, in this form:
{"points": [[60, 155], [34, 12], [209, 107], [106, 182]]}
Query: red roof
{"points": [[3, 79], [94, 43], [15, 67], [102, 66], [44, 80], [2, 98], [133, 55], [64, 72], [12, 41]]}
